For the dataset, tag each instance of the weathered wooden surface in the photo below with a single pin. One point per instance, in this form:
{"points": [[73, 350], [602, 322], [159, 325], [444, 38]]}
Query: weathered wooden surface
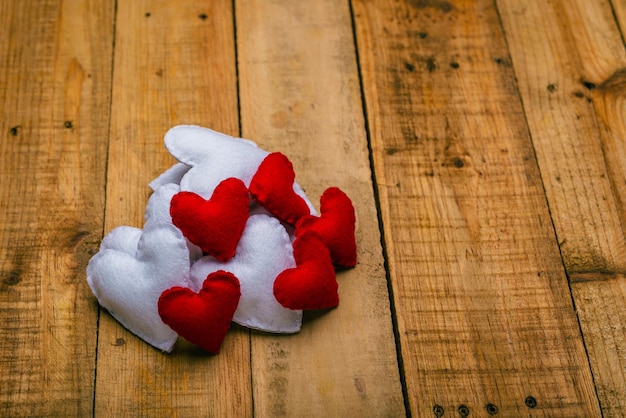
{"points": [[55, 83], [171, 60], [484, 139], [475, 268], [572, 82], [290, 101]]}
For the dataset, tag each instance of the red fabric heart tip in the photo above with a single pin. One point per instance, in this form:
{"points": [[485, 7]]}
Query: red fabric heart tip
{"points": [[215, 225], [272, 187], [335, 226], [312, 283], [202, 318]]}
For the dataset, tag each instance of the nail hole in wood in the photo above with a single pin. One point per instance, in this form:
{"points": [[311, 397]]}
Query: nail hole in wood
{"points": [[431, 65], [463, 410], [491, 409]]}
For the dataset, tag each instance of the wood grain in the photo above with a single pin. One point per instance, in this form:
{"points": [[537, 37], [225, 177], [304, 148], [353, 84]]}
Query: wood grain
{"points": [[600, 300], [299, 92], [571, 78], [484, 312], [556, 88], [55, 66], [174, 63]]}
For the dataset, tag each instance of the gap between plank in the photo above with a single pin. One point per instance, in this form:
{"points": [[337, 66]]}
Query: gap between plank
{"points": [[617, 22], [240, 133], [104, 209], [234, 14], [392, 306]]}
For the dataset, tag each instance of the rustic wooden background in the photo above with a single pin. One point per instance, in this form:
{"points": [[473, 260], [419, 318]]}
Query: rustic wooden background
{"points": [[483, 143]]}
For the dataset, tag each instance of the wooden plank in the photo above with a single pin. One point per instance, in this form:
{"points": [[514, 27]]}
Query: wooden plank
{"points": [[485, 316], [174, 63], [300, 95], [600, 300], [55, 67], [555, 80], [570, 73]]}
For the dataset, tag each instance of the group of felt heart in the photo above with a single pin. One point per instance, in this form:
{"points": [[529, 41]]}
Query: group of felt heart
{"points": [[216, 226], [229, 236]]}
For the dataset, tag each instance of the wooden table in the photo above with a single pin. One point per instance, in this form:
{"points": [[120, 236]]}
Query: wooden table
{"points": [[483, 145]]}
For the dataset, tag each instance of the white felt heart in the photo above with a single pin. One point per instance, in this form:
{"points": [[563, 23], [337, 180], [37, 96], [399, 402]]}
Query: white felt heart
{"points": [[213, 157], [263, 252], [129, 283], [256, 209], [158, 211], [122, 238], [172, 175], [158, 207]]}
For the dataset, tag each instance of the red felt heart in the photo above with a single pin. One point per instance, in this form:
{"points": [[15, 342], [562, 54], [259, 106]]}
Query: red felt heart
{"points": [[272, 187], [214, 225], [202, 318], [335, 226], [312, 283]]}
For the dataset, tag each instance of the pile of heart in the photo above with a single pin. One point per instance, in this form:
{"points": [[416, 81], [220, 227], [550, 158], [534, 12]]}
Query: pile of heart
{"points": [[229, 236]]}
